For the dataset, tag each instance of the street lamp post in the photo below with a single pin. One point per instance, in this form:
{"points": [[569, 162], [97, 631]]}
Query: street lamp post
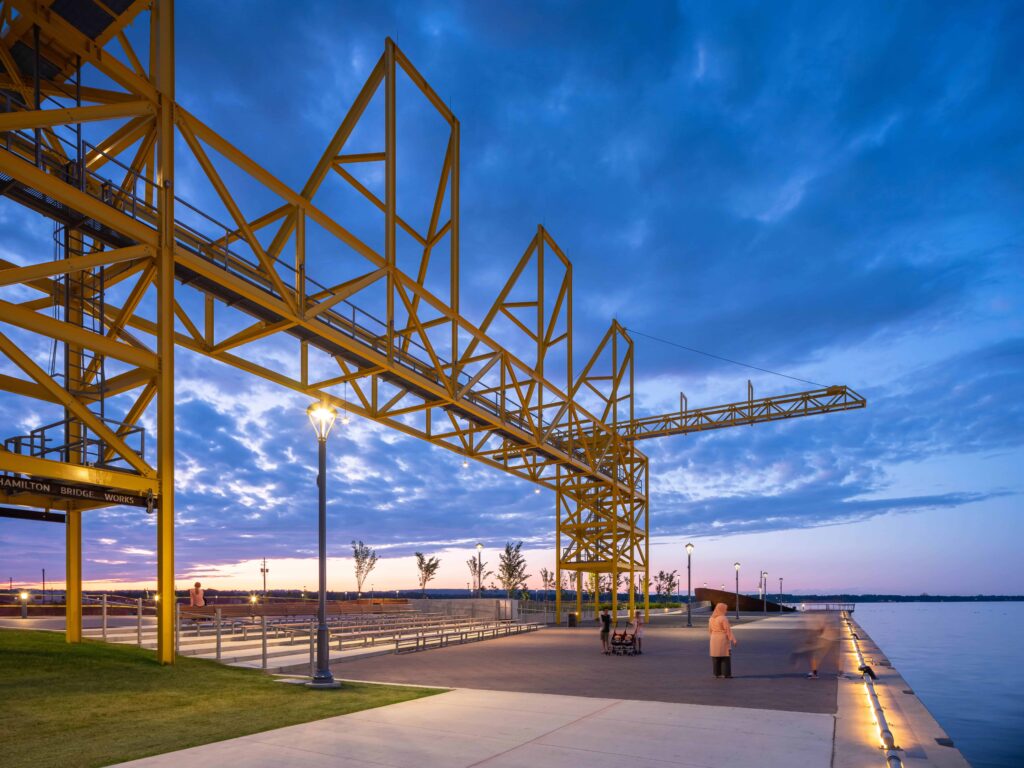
{"points": [[764, 593], [264, 570], [737, 567], [479, 570], [24, 604], [780, 593], [322, 416], [689, 606]]}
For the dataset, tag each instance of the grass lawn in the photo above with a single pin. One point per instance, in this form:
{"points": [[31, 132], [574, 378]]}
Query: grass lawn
{"points": [[96, 704]]}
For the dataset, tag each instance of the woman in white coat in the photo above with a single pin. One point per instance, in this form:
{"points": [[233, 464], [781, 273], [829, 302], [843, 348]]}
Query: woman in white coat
{"points": [[722, 641]]}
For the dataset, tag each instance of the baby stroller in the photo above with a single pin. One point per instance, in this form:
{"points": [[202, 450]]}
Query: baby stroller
{"points": [[623, 643]]}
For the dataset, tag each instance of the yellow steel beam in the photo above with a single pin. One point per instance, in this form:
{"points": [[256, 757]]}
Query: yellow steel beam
{"points": [[269, 268], [332, 296], [57, 329], [69, 38], [25, 388], [254, 332], [39, 501], [73, 577], [47, 118], [75, 199], [163, 28], [750, 411], [49, 88], [134, 414], [58, 470], [118, 141], [127, 381], [73, 405], [32, 272]]}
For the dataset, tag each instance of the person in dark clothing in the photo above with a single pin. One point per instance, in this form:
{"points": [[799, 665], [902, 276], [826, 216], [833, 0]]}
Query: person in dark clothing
{"points": [[606, 628]]}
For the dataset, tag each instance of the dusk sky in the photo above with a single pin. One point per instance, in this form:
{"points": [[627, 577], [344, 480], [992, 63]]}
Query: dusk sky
{"points": [[833, 191]]}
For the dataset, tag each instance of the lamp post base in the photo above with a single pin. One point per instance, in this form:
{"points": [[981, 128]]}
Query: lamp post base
{"points": [[323, 684]]}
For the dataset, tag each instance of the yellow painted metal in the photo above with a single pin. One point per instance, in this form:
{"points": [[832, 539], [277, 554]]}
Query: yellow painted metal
{"points": [[749, 411], [56, 329], [73, 405], [73, 576], [33, 272], [422, 368], [60, 470], [47, 118], [579, 595], [163, 24]]}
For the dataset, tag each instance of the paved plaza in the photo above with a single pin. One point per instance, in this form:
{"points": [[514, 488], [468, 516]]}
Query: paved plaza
{"points": [[674, 667], [551, 700]]}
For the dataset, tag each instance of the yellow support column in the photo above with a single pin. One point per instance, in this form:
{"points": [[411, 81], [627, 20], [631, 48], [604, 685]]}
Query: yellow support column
{"points": [[615, 594], [558, 547], [73, 577], [647, 596], [558, 589], [163, 20], [647, 544], [579, 597], [632, 592]]}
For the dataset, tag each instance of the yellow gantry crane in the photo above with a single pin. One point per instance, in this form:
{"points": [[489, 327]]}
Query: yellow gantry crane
{"points": [[359, 292], [587, 536]]}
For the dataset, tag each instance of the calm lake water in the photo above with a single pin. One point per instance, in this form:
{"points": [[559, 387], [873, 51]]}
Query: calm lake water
{"points": [[966, 663]]}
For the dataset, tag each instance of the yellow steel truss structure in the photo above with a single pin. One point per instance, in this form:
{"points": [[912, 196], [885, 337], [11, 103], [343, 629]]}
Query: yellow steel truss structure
{"points": [[422, 368], [368, 336]]}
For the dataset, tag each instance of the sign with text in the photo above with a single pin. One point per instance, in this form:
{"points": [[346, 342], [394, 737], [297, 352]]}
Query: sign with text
{"points": [[61, 489]]}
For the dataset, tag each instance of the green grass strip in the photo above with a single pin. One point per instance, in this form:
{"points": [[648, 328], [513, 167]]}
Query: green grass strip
{"points": [[95, 704]]}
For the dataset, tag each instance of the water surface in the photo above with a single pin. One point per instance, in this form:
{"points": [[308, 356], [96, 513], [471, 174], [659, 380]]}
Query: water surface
{"points": [[965, 662]]}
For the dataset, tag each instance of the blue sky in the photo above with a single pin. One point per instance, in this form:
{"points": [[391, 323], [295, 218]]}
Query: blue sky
{"points": [[833, 191]]}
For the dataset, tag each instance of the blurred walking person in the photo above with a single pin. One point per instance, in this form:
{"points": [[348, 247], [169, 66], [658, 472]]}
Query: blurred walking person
{"points": [[820, 643], [722, 641]]}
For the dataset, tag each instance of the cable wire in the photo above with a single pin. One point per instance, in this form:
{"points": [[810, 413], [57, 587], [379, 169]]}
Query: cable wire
{"points": [[723, 359]]}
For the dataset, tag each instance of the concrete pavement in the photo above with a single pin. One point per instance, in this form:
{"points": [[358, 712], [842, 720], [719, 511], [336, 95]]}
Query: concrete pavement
{"points": [[501, 729]]}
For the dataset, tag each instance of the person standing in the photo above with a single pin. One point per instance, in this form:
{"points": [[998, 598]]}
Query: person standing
{"points": [[722, 641], [606, 628], [196, 596], [638, 631]]}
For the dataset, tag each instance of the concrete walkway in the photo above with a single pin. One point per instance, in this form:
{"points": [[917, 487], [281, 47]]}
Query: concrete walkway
{"points": [[501, 729]]}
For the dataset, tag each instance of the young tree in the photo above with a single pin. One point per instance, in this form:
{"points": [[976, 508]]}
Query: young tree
{"points": [[478, 571], [427, 566], [664, 583], [673, 583], [547, 578], [366, 560], [512, 568]]}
